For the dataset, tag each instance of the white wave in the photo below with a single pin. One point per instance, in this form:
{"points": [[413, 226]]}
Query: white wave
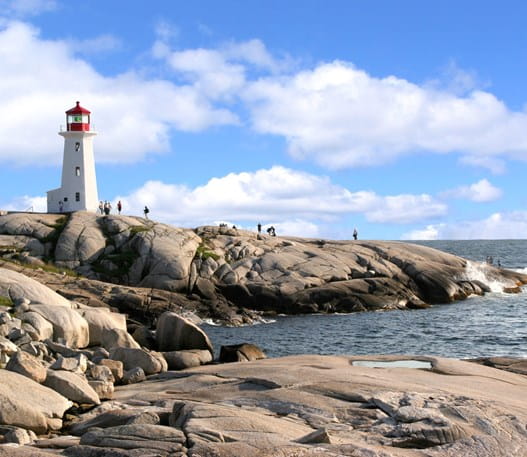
{"points": [[486, 274], [520, 270], [211, 322]]}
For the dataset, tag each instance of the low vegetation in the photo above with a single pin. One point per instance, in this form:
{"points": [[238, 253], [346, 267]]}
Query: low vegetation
{"points": [[203, 252], [6, 301]]}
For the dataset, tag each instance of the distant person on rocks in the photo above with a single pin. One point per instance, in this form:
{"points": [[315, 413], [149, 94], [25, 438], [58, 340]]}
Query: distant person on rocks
{"points": [[107, 208], [259, 227], [61, 206], [271, 231], [101, 207], [146, 211], [355, 234], [119, 206]]}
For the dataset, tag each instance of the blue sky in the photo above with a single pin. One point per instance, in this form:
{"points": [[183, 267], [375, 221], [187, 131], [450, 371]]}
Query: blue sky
{"points": [[406, 119]]}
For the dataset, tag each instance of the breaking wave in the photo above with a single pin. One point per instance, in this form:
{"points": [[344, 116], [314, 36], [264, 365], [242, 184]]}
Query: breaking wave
{"points": [[486, 274]]}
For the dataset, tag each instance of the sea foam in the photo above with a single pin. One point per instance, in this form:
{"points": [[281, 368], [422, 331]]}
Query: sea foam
{"points": [[486, 274]]}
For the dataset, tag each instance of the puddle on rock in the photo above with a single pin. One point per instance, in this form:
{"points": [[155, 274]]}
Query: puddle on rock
{"points": [[392, 364]]}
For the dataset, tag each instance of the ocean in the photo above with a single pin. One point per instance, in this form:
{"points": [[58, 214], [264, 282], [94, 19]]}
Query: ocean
{"points": [[492, 325]]}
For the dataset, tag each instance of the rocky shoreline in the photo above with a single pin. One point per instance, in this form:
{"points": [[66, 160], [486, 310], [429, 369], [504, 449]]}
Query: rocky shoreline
{"points": [[232, 276], [94, 364]]}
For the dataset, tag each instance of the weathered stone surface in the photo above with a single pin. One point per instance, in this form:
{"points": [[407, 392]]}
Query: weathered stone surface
{"points": [[179, 360], [117, 338], [76, 364], [72, 386], [315, 405], [81, 240], [156, 437], [235, 272], [150, 361], [133, 376], [27, 365], [101, 373], [100, 321], [17, 286], [27, 404], [67, 323], [43, 327], [241, 353], [114, 418], [16, 435], [175, 333], [116, 367], [103, 389]]}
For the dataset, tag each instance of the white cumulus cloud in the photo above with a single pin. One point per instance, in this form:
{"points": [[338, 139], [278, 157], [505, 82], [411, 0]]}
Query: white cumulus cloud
{"points": [[340, 116], [481, 191], [501, 225], [277, 195], [43, 78]]}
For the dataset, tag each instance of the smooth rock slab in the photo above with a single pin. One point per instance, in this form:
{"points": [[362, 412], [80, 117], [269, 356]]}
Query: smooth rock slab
{"points": [[18, 286], [101, 320], [29, 405], [72, 386], [158, 437], [151, 362], [67, 324]]}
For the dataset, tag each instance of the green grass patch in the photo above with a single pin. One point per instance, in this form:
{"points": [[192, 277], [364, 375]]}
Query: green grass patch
{"points": [[6, 301], [122, 260], [203, 252], [47, 267], [57, 227], [135, 229]]}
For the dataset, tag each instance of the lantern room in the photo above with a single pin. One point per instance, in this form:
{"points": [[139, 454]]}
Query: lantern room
{"points": [[78, 119]]}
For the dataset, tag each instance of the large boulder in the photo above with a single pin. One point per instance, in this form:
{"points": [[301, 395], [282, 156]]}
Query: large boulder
{"points": [[67, 323], [18, 286], [81, 241], [118, 338], [27, 365], [151, 362], [179, 360], [72, 386], [240, 353], [100, 320], [175, 333], [29, 405], [43, 328]]}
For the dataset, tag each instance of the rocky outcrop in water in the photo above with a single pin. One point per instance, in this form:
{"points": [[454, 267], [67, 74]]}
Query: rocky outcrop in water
{"points": [[226, 272]]}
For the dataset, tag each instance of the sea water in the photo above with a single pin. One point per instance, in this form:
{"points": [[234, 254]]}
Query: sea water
{"points": [[492, 325]]}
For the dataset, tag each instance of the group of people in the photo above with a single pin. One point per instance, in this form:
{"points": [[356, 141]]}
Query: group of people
{"points": [[271, 231], [106, 207]]}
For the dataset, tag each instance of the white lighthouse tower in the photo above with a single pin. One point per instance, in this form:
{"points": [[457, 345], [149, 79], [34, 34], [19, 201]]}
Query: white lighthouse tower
{"points": [[78, 189]]}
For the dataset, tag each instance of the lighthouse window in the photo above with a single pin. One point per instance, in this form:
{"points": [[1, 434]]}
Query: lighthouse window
{"points": [[77, 146], [77, 196], [77, 171]]}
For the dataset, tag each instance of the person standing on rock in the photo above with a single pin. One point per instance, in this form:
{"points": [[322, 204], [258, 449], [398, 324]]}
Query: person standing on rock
{"points": [[355, 234], [119, 206], [259, 228], [101, 207], [146, 211]]}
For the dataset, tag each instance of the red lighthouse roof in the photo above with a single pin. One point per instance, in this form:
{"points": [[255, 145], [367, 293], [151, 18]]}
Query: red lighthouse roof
{"points": [[78, 109]]}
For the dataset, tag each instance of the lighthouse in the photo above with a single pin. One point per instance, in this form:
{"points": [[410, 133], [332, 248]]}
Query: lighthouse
{"points": [[78, 190]]}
